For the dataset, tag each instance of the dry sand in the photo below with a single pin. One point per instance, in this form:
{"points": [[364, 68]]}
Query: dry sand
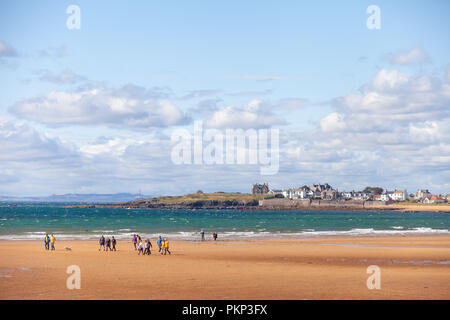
{"points": [[325, 268]]}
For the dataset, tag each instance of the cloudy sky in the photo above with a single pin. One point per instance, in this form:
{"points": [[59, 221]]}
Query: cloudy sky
{"points": [[92, 110]]}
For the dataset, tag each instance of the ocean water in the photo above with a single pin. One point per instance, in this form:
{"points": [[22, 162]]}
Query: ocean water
{"points": [[32, 220]]}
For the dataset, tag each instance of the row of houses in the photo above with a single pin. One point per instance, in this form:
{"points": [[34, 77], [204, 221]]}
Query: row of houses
{"points": [[327, 192], [425, 196], [396, 195], [315, 191]]}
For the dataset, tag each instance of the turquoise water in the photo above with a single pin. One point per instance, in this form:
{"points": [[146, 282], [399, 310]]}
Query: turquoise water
{"points": [[32, 220]]}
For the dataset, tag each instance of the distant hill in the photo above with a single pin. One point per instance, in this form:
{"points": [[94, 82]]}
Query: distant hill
{"points": [[199, 200], [75, 197]]}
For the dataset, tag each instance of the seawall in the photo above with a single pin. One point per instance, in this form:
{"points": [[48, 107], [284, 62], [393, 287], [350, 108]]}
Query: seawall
{"points": [[307, 204]]}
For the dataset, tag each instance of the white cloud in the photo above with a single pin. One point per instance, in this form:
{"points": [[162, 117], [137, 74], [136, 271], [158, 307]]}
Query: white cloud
{"points": [[393, 100], [414, 56], [253, 115], [21, 143], [386, 80], [128, 106], [332, 122], [395, 133]]}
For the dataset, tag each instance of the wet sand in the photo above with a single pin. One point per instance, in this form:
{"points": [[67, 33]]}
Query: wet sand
{"points": [[315, 268], [407, 207]]}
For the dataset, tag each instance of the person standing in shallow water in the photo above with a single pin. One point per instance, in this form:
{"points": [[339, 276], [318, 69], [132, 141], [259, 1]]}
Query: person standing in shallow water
{"points": [[202, 234], [214, 236]]}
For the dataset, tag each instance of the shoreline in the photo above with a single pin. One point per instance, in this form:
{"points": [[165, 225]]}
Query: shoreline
{"points": [[429, 208], [259, 240], [414, 267], [364, 237], [264, 237]]}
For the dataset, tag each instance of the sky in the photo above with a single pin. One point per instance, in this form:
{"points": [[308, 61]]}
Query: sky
{"points": [[93, 110]]}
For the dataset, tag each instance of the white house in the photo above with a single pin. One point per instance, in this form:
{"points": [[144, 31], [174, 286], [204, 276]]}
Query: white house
{"points": [[399, 195], [356, 195], [433, 199], [295, 193], [386, 196]]}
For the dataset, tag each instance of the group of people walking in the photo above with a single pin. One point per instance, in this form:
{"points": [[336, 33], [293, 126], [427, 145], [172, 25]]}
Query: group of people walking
{"points": [[107, 244], [144, 247], [49, 241]]}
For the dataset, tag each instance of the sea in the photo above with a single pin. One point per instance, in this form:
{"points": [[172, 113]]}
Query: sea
{"points": [[31, 220]]}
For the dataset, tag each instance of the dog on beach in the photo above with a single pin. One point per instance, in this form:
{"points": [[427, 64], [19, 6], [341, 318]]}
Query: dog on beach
{"points": [[68, 249]]}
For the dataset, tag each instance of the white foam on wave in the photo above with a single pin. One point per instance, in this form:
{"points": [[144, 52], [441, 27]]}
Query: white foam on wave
{"points": [[227, 235]]}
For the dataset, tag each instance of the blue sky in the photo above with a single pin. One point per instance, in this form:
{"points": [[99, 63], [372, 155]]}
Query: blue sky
{"points": [[227, 54]]}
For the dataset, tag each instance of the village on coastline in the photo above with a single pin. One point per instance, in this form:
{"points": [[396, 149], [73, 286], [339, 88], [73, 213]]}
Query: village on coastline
{"points": [[315, 197], [327, 192]]}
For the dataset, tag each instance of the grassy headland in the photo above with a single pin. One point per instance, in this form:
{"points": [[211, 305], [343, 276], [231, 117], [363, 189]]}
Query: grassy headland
{"points": [[216, 200]]}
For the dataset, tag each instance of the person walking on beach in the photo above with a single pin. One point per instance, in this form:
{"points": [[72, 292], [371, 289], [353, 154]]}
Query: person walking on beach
{"points": [[102, 243], [134, 241], [113, 243], [166, 246], [52, 241], [140, 247], [148, 245], [108, 244], [159, 243], [47, 241], [202, 233], [214, 236], [163, 245]]}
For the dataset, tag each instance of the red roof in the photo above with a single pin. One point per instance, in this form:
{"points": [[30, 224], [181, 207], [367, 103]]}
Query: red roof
{"points": [[435, 198]]}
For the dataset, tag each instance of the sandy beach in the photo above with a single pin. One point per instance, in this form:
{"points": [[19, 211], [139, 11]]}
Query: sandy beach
{"points": [[315, 268], [420, 207]]}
